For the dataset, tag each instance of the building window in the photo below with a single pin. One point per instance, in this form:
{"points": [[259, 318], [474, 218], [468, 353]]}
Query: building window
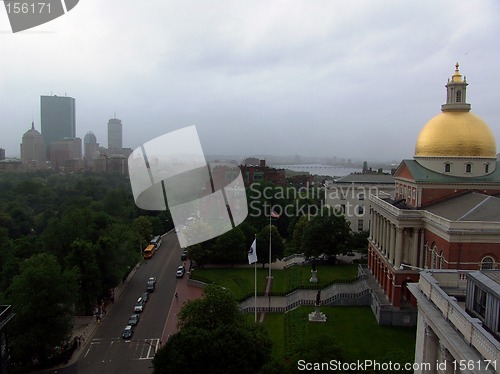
{"points": [[361, 209], [447, 168], [342, 208], [468, 168], [426, 255], [479, 301], [360, 225], [434, 258], [459, 96], [441, 260], [361, 196], [486, 168], [487, 263]]}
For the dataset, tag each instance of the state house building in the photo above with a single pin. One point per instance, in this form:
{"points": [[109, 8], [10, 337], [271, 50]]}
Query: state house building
{"points": [[445, 213]]}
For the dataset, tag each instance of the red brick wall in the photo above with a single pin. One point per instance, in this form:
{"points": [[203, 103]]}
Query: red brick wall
{"points": [[463, 252]]}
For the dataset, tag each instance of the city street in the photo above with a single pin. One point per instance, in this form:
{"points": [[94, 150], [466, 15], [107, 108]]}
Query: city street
{"points": [[106, 351]]}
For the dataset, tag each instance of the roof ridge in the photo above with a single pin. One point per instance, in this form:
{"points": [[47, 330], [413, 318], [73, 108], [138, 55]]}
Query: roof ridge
{"points": [[475, 207]]}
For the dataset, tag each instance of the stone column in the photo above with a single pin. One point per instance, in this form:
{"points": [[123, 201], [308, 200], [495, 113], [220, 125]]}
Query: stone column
{"points": [[431, 347], [422, 250], [387, 238], [414, 249], [399, 247], [382, 231], [372, 222], [392, 243], [378, 230], [445, 365]]}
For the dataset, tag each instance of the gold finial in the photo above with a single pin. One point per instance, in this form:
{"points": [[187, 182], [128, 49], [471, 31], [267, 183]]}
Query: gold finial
{"points": [[457, 77]]}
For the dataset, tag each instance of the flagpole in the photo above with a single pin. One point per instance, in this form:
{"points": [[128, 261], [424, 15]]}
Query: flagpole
{"points": [[255, 268], [270, 214]]}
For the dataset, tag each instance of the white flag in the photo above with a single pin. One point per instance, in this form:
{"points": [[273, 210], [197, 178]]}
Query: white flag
{"points": [[252, 252]]}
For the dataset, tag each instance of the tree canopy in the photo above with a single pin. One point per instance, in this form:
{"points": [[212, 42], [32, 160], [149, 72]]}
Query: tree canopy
{"points": [[42, 297], [214, 337]]}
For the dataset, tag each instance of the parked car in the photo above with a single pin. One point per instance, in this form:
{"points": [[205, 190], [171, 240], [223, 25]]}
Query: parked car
{"points": [[145, 297], [152, 279], [184, 255], [150, 287], [139, 305], [133, 320], [128, 331], [180, 271]]}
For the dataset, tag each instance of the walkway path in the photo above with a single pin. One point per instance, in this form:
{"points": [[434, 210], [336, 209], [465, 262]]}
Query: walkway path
{"points": [[184, 292]]}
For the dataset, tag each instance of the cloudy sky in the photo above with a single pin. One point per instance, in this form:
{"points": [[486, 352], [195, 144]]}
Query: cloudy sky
{"points": [[355, 79]]}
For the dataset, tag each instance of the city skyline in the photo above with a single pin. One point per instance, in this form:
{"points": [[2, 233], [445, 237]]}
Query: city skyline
{"points": [[325, 79]]}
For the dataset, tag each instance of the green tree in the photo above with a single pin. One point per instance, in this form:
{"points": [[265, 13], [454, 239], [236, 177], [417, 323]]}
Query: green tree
{"points": [[298, 233], [143, 228], [84, 257], [199, 254], [277, 246], [214, 337], [359, 241], [230, 246], [42, 298], [249, 232], [326, 233]]}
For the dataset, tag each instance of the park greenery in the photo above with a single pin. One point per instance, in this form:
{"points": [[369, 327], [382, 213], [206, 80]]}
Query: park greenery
{"points": [[68, 239], [214, 337]]}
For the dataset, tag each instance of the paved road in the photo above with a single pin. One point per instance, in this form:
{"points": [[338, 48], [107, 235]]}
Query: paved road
{"points": [[106, 351]]}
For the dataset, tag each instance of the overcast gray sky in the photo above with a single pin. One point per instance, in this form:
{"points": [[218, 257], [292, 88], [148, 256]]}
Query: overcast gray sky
{"points": [[354, 79]]}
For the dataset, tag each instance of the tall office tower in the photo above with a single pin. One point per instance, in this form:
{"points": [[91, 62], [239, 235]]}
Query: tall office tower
{"points": [[33, 147], [115, 134], [57, 118], [2, 154], [90, 149]]}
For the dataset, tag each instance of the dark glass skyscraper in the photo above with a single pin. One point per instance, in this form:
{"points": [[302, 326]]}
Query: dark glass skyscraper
{"points": [[57, 118]]}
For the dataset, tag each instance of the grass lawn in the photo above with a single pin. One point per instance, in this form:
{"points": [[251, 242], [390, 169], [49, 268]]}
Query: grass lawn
{"points": [[354, 329], [241, 281]]}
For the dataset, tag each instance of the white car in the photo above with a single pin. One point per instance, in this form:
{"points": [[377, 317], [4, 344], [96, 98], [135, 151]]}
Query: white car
{"points": [[180, 271]]}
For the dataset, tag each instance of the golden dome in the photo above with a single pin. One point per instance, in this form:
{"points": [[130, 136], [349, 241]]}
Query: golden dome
{"points": [[456, 134]]}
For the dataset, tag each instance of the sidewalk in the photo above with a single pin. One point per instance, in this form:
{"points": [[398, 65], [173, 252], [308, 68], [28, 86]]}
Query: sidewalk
{"points": [[184, 292], [84, 327]]}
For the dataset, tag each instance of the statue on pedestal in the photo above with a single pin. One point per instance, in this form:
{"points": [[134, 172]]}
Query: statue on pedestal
{"points": [[314, 272], [317, 316]]}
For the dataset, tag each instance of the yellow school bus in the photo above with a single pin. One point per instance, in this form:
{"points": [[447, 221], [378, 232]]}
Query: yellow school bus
{"points": [[149, 251]]}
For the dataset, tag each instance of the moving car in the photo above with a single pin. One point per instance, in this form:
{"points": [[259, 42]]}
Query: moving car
{"points": [[139, 305], [127, 332], [133, 320], [180, 271], [150, 287]]}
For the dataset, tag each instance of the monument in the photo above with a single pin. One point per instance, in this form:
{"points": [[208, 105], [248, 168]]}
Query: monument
{"points": [[317, 316], [314, 274]]}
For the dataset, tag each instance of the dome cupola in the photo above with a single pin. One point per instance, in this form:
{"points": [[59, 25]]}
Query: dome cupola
{"points": [[456, 141]]}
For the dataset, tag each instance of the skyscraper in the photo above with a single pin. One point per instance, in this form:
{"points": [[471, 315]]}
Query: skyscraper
{"points": [[115, 134], [57, 118], [33, 147], [90, 149]]}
